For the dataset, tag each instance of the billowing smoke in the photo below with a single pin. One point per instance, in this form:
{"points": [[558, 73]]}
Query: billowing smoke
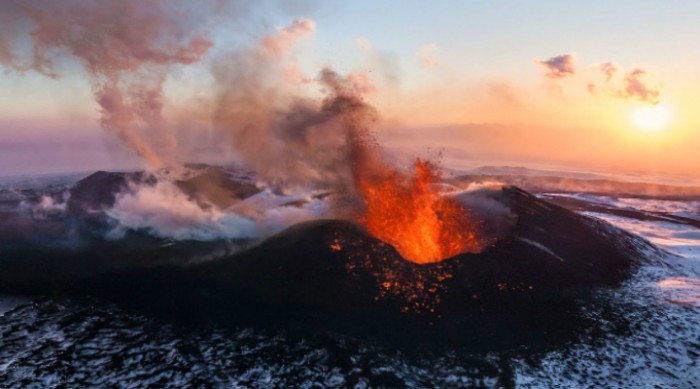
{"points": [[129, 47], [288, 139], [559, 67], [296, 142], [282, 42], [163, 209], [300, 149], [297, 146], [309, 147], [126, 47], [483, 199]]}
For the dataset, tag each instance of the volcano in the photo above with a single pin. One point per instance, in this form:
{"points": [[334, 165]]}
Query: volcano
{"points": [[546, 254]]}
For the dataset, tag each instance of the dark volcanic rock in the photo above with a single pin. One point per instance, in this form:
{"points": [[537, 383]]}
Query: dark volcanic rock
{"points": [[214, 186], [206, 184], [99, 190], [548, 255]]}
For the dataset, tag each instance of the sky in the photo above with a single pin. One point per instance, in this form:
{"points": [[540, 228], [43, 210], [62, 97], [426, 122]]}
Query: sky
{"points": [[599, 86]]}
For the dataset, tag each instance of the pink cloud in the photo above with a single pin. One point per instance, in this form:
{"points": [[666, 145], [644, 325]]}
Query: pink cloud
{"points": [[286, 37], [560, 66]]}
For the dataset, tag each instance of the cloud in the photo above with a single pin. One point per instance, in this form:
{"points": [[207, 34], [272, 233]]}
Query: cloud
{"points": [[287, 37], [560, 66], [635, 84], [426, 56], [608, 69], [278, 46]]}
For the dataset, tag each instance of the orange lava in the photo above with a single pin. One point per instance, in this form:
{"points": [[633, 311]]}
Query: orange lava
{"points": [[407, 212]]}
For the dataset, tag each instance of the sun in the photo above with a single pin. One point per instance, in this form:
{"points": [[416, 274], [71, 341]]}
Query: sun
{"points": [[651, 118]]}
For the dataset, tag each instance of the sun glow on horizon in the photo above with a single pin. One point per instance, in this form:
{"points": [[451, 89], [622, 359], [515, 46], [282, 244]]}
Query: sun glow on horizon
{"points": [[652, 118]]}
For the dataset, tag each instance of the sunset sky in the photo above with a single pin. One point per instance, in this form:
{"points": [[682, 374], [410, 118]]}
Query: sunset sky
{"points": [[596, 85]]}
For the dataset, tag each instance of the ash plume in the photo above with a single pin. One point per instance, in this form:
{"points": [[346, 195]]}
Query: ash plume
{"points": [[296, 146], [312, 152], [126, 47], [286, 37], [291, 140]]}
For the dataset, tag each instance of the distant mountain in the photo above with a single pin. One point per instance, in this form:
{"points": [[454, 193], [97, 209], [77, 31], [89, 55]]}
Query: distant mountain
{"points": [[525, 171], [538, 181]]}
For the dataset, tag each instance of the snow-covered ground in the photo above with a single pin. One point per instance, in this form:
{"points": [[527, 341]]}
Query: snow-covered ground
{"points": [[9, 302], [680, 239], [643, 333]]}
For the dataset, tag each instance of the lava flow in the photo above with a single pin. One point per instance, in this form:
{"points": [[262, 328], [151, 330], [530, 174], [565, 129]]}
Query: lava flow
{"points": [[409, 213]]}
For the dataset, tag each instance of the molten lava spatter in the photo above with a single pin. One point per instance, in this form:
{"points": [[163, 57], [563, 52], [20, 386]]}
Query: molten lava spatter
{"points": [[411, 215]]}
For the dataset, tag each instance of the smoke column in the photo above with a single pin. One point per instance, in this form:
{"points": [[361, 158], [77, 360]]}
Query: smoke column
{"points": [[126, 47], [295, 142]]}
